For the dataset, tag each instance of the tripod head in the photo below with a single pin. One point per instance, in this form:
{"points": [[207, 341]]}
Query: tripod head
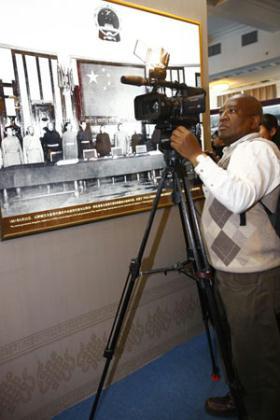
{"points": [[175, 162]]}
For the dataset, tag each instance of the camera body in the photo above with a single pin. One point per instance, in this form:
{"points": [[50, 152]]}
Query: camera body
{"points": [[166, 112], [181, 109]]}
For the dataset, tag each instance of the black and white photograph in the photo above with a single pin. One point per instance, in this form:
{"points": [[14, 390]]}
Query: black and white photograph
{"points": [[75, 147]]}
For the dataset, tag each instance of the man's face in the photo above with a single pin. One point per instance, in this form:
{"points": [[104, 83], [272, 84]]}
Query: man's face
{"points": [[236, 120]]}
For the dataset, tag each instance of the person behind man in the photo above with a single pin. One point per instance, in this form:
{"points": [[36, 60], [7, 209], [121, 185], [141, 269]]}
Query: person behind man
{"points": [[217, 145], [32, 148], [269, 129], [244, 250]]}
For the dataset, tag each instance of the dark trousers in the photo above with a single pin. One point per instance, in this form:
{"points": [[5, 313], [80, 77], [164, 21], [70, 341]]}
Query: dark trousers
{"points": [[251, 303]]}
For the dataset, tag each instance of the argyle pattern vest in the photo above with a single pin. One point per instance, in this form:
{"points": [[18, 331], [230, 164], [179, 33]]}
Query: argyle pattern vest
{"points": [[235, 248]]}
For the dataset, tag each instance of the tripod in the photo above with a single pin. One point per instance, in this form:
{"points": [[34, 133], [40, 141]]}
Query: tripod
{"points": [[182, 197]]}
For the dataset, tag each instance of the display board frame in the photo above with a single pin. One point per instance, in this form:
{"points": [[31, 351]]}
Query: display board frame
{"points": [[120, 184]]}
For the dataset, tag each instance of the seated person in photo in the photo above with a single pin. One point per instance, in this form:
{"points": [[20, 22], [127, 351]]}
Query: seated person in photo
{"points": [[51, 141], [269, 128], [156, 137], [32, 147], [11, 149], [84, 138], [16, 128], [103, 143], [136, 140], [121, 140], [69, 142]]}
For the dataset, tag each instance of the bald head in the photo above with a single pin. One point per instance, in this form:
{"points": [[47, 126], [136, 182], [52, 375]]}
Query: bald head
{"points": [[240, 115], [249, 103]]}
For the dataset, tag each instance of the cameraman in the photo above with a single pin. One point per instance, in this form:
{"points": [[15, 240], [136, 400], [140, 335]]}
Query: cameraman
{"points": [[244, 249]]}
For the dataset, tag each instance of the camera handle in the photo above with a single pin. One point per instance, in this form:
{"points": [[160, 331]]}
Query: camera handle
{"points": [[203, 275]]}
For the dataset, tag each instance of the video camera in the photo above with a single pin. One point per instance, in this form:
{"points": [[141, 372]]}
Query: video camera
{"points": [[157, 108], [167, 112]]}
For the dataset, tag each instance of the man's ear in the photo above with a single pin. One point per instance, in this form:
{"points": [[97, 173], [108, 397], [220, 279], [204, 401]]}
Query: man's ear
{"points": [[255, 122]]}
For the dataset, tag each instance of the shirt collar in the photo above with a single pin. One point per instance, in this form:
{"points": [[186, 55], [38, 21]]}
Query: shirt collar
{"points": [[232, 146], [227, 150]]}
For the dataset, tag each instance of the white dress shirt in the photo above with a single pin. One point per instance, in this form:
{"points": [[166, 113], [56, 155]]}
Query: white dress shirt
{"points": [[253, 171]]}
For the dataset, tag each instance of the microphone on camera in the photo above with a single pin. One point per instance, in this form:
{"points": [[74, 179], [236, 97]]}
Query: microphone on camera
{"points": [[134, 80], [157, 83]]}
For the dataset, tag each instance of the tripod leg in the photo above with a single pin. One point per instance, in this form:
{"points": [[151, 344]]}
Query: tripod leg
{"points": [[205, 316], [205, 282], [190, 238], [126, 295]]}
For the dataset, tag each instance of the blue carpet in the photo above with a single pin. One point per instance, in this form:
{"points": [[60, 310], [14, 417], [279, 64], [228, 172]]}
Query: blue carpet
{"points": [[173, 387]]}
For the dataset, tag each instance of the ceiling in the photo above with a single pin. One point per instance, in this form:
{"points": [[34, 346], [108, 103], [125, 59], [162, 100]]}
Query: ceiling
{"points": [[226, 16]]}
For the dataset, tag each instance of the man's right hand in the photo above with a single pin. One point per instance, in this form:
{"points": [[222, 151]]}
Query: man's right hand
{"points": [[186, 144]]}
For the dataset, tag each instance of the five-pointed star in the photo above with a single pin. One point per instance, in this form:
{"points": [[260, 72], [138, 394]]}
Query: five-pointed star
{"points": [[92, 77]]}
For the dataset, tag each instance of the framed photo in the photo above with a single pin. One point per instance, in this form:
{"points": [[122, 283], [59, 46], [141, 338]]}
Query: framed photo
{"points": [[98, 154]]}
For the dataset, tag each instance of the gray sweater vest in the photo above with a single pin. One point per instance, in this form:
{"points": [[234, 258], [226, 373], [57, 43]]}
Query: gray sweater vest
{"points": [[241, 249]]}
